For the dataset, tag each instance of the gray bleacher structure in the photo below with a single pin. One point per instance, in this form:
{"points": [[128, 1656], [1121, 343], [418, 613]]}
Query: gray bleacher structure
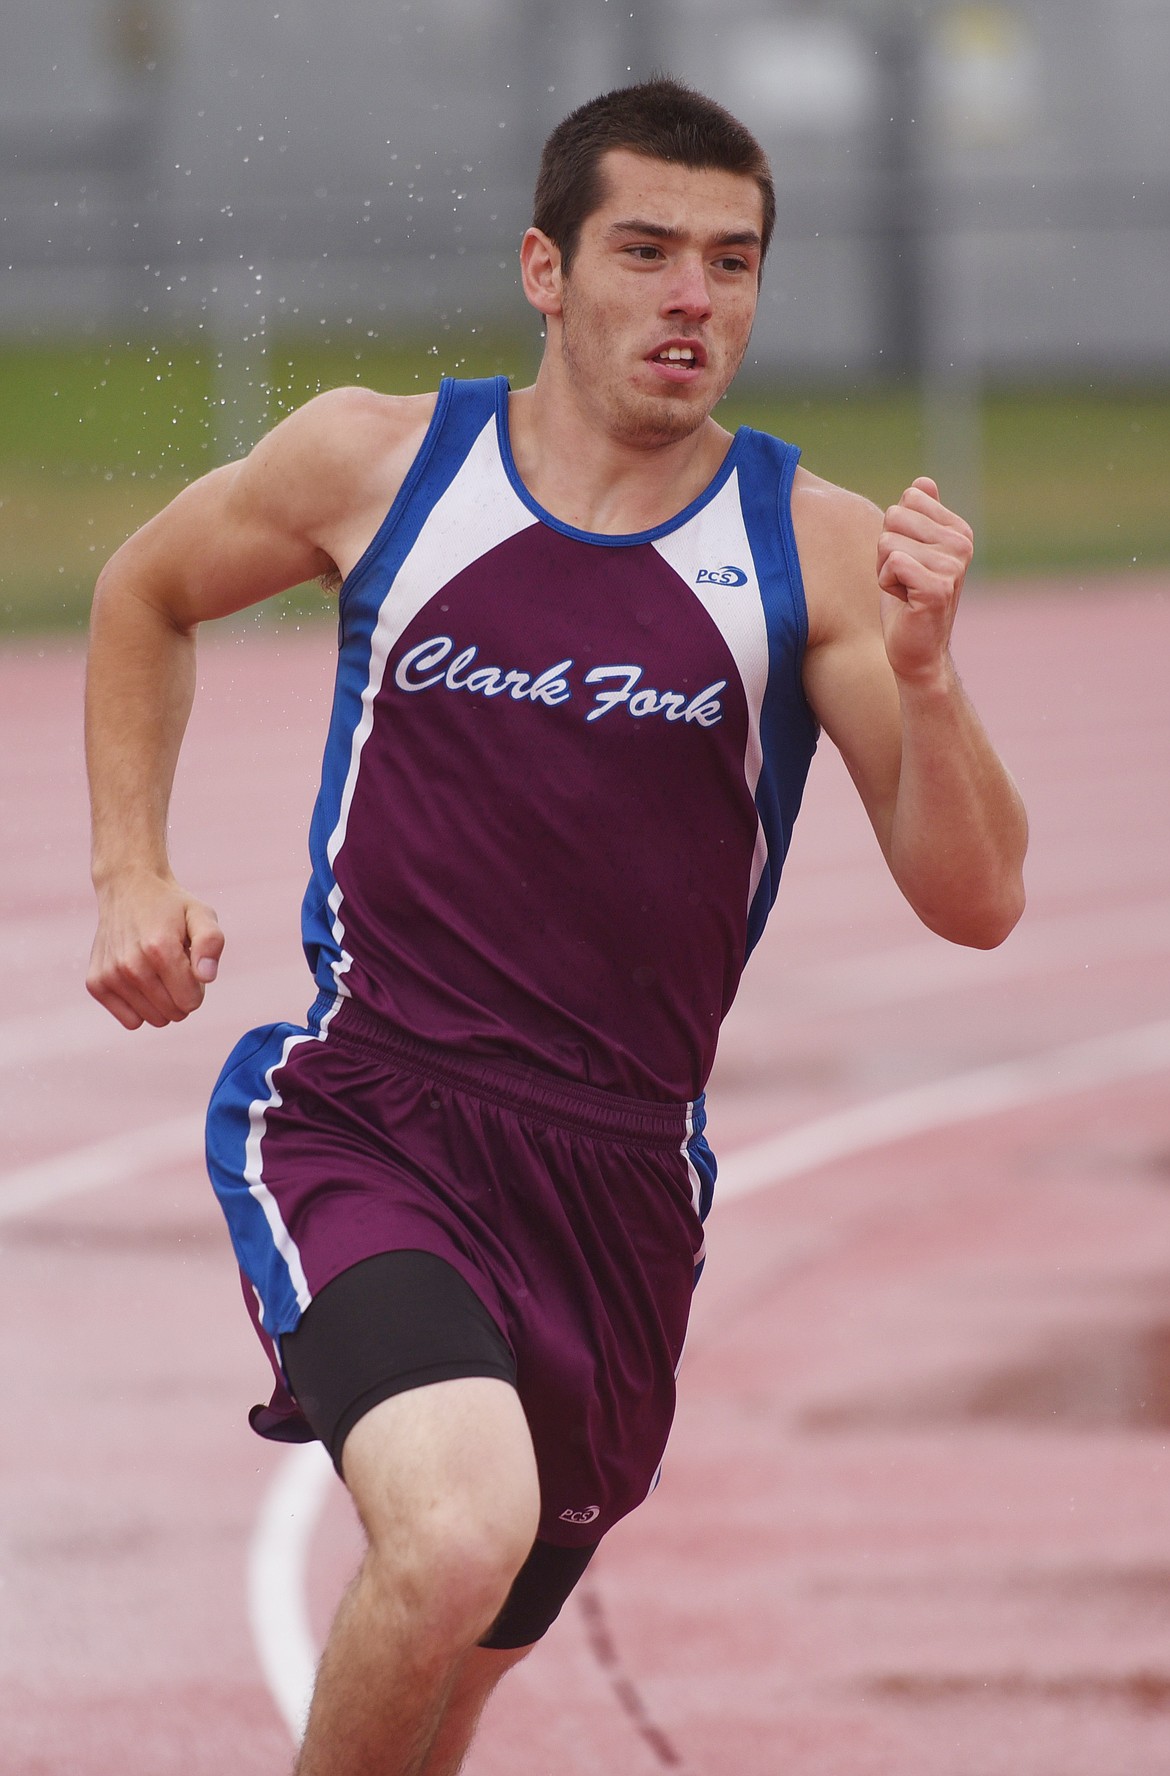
{"points": [[965, 190]]}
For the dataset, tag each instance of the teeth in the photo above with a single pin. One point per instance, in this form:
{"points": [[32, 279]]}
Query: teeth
{"points": [[678, 354]]}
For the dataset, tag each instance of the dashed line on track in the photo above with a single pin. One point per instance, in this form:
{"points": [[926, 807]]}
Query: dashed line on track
{"points": [[629, 1698], [279, 1551], [285, 1528]]}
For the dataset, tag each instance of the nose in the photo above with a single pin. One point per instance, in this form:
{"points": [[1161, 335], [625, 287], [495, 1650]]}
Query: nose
{"points": [[688, 292]]}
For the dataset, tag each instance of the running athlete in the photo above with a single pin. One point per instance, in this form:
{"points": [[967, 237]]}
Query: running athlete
{"points": [[587, 641]]}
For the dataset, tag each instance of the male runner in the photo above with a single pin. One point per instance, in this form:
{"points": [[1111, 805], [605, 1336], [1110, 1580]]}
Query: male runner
{"points": [[587, 639]]}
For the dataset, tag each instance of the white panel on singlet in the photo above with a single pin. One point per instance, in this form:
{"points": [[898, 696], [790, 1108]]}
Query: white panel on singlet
{"points": [[476, 513], [712, 555]]}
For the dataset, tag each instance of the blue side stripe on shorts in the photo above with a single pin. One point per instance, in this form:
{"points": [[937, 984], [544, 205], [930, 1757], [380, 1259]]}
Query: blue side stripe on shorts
{"points": [[702, 1158], [243, 1091]]}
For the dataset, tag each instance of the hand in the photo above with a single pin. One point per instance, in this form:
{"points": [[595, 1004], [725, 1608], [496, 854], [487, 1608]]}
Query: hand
{"points": [[923, 555], [155, 952]]}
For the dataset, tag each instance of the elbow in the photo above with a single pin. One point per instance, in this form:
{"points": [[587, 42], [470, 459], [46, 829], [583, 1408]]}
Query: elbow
{"points": [[101, 589], [982, 926], [124, 593], [998, 927]]}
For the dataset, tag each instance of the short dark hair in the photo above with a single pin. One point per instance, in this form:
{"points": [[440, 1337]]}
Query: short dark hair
{"points": [[662, 119]]}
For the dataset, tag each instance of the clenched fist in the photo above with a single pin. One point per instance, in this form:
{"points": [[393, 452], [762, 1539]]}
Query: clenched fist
{"points": [[155, 952], [923, 555]]}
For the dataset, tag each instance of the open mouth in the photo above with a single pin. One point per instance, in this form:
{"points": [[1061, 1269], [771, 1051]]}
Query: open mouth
{"points": [[679, 359]]}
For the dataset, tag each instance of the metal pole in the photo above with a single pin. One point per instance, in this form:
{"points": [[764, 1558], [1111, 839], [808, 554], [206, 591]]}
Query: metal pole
{"points": [[927, 286], [896, 36]]}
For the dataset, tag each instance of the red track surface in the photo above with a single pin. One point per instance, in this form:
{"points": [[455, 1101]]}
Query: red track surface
{"points": [[915, 1519]]}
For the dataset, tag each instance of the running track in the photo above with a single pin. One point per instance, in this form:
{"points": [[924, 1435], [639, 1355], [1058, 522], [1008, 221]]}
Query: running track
{"points": [[915, 1519]]}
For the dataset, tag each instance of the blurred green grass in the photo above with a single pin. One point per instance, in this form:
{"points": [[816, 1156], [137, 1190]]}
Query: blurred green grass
{"points": [[96, 439]]}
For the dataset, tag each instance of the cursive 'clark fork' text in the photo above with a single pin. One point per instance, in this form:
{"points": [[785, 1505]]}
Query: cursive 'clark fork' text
{"points": [[434, 663]]}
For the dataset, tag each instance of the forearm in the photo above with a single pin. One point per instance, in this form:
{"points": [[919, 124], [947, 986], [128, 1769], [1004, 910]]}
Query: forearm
{"points": [[240, 534], [958, 831], [139, 688]]}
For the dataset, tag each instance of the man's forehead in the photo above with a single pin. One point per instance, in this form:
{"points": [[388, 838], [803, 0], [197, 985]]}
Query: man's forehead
{"points": [[633, 183]]}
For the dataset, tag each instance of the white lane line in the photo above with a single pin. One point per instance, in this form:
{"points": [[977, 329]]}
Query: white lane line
{"points": [[84, 1028], [916, 970], [877, 978], [985, 1091], [112, 1161], [297, 1496], [34, 940], [278, 1571]]}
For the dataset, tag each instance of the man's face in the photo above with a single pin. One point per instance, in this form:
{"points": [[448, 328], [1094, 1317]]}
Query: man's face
{"points": [[658, 304]]}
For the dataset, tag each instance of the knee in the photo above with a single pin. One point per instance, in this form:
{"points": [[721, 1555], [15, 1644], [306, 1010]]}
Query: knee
{"points": [[447, 1571], [445, 1482]]}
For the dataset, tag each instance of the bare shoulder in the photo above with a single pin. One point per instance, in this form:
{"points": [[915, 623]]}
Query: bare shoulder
{"points": [[337, 462], [836, 538], [304, 504], [355, 417]]}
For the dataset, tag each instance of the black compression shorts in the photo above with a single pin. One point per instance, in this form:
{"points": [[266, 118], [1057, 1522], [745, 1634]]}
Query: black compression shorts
{"points": [[398, 1321]]}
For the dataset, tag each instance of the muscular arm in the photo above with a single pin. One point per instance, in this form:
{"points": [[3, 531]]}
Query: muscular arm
{"points": [[882, 599], [304, 503]]}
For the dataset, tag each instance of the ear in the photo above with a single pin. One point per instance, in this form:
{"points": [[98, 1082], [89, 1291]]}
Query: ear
{"points": [[540, 272]]}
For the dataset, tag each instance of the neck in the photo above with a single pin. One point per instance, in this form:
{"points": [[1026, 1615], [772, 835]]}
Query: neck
{"points": [[594, 480]]}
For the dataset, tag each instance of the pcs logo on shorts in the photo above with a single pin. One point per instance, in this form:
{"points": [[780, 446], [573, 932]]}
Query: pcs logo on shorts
{"points": [[721, 576], [589, 1515]]}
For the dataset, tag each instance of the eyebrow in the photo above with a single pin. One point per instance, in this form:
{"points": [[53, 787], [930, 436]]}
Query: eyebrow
{"points": [[744, 237]]}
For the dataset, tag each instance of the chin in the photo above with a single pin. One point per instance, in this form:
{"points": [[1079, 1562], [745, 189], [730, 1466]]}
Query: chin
{"points": [[658, 419]]}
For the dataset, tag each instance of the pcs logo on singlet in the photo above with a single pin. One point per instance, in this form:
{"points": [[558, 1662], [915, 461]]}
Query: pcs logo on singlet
{"points": [[721, 576], [589, 1514]]}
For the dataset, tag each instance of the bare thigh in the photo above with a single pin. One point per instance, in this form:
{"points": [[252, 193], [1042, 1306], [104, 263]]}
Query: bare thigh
{"points": [[446, 1471]]}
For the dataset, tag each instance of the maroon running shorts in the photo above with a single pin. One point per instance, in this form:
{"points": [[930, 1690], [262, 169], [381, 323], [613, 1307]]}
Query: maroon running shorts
{"points": [[572, 1213]]}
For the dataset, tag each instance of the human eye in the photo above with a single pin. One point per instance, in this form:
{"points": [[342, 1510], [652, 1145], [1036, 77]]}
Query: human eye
{"points": [[644, 251], [732, 262]]}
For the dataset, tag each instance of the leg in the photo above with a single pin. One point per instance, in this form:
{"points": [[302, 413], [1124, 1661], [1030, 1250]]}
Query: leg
{"points": [[445, 1482], [541, 1587], [478, 1676]]}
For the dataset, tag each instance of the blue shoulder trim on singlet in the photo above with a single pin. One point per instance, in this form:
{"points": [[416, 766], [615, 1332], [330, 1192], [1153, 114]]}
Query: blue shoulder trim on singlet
{"points": [[462, 409], [788, 728]]}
